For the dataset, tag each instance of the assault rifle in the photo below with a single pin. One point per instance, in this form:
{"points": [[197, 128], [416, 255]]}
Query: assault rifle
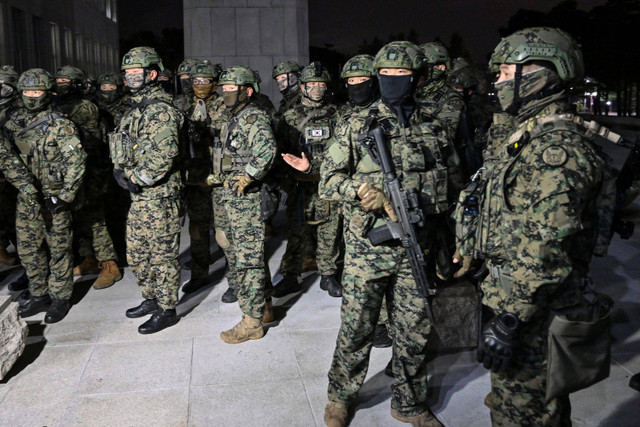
{"points": [[407, 208]]}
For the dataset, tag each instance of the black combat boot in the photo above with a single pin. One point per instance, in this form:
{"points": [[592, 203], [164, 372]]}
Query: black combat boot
{"points": [[20, 284], [194, 284], [58, 310], [147, 306], [34, 305], [288, 285], [381, 338], [160, 320], [331, 285], [230, 296]]}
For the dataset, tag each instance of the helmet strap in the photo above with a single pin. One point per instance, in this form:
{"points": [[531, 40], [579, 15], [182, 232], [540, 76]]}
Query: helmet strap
{"points": [[517, 101]]}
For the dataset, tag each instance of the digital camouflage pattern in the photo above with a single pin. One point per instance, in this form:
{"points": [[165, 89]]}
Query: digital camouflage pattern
{"points": [[374, 272], [546, 203], [309, 129], [152, 128], [204, 133], [8, 192], [249, 149], [53, 153]]}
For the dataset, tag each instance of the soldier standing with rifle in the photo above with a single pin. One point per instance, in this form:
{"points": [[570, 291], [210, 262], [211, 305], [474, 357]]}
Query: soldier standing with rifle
{"points": [[355, 172]]}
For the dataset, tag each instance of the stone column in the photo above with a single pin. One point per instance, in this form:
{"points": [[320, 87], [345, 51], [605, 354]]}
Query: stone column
{"points": [[13, 333], [256, 33]]}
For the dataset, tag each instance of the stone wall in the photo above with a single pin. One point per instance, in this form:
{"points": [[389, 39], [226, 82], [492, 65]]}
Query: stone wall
{"points": [[13, 333], [257, 33]]}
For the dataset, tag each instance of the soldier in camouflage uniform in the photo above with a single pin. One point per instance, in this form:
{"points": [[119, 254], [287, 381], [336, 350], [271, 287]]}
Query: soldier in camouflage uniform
{"points": [[94, 243], [9, 102], [446, 105], [111, 98], [242, 162], [203, 129], [165, 78], [350, 175], [545, 208], [312, 221], [287, 74], [184, 101], [144, 151], [49, 145]]}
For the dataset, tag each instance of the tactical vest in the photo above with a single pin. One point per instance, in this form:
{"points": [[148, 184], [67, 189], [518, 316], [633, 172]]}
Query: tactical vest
{"points": [[315, 131], [417, 157], [491, 240], [43, 158], [226, 157]]}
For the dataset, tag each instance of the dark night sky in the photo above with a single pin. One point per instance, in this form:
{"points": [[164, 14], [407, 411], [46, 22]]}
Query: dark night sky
{"points": [[346, 23]]}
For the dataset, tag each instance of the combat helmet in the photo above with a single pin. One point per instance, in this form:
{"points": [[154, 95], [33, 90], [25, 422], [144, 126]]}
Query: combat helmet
{"points": [[399, 54], [141, 57], [8, 75], [283, 67], [239, 75], [76, 76], [465, 78], [358, 66], [207, 70], [436, 53], [35, 79], [541, 44], [112, 78], [315, 72], [186, 66]]}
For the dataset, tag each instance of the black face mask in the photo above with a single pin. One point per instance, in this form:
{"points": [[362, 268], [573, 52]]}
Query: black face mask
{"points": [[185, 85], [362, 94], [167, 85], [396, 90]]}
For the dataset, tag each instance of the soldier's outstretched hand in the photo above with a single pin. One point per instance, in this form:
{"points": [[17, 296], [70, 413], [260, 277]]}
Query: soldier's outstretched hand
{"points": [[298, 163]]}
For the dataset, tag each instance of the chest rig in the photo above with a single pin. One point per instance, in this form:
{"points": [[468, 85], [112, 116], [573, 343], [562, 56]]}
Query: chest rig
{"points": [[227, 156], [123, 141], [315, 131]]}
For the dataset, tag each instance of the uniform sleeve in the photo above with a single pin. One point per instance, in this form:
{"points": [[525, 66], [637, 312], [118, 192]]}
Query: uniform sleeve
{"points": [[449, 115], [65, 133], [558, 201], [335, 178], [263, 147], [159, 140], [14, 169]]}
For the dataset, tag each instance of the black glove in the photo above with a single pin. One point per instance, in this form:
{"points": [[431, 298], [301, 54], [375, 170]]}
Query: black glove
{"points": [[498, 340], [125, 182], [55, 205]]}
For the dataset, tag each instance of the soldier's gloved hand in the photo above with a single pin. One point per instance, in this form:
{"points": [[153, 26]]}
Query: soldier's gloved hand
{"points": [[239, 184], [374, 200], [498, 341], [121, 178], [56, 205], [199, 111], [465, 264]]}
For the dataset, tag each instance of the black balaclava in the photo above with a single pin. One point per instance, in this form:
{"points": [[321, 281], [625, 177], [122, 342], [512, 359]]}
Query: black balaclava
{"points": [[364, 93], [397, 93]]}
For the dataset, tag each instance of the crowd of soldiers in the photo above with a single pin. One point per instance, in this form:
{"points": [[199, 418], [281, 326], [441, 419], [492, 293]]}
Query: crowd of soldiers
{"points": [[537, 209]]}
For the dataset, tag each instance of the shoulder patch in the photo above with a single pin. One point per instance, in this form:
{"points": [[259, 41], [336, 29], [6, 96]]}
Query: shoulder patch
{"points": [[554, 156], [164, 117], [251, 118], [68, 130]]}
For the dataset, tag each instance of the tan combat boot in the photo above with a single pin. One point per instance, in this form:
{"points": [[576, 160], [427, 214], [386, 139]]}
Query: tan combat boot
{"points": [[109, 275], [89, 265], [268, 316], [249, 328], [425, 419], [336, 414], [5, 258]]}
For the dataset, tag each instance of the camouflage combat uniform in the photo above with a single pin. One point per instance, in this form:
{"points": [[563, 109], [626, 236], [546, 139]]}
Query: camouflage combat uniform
{"points": [[546, 202], [309, 129], [248, 149], [202, 134], [8, 192], [374, 272], [90, 229], [50, 146], [150, 130]]}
